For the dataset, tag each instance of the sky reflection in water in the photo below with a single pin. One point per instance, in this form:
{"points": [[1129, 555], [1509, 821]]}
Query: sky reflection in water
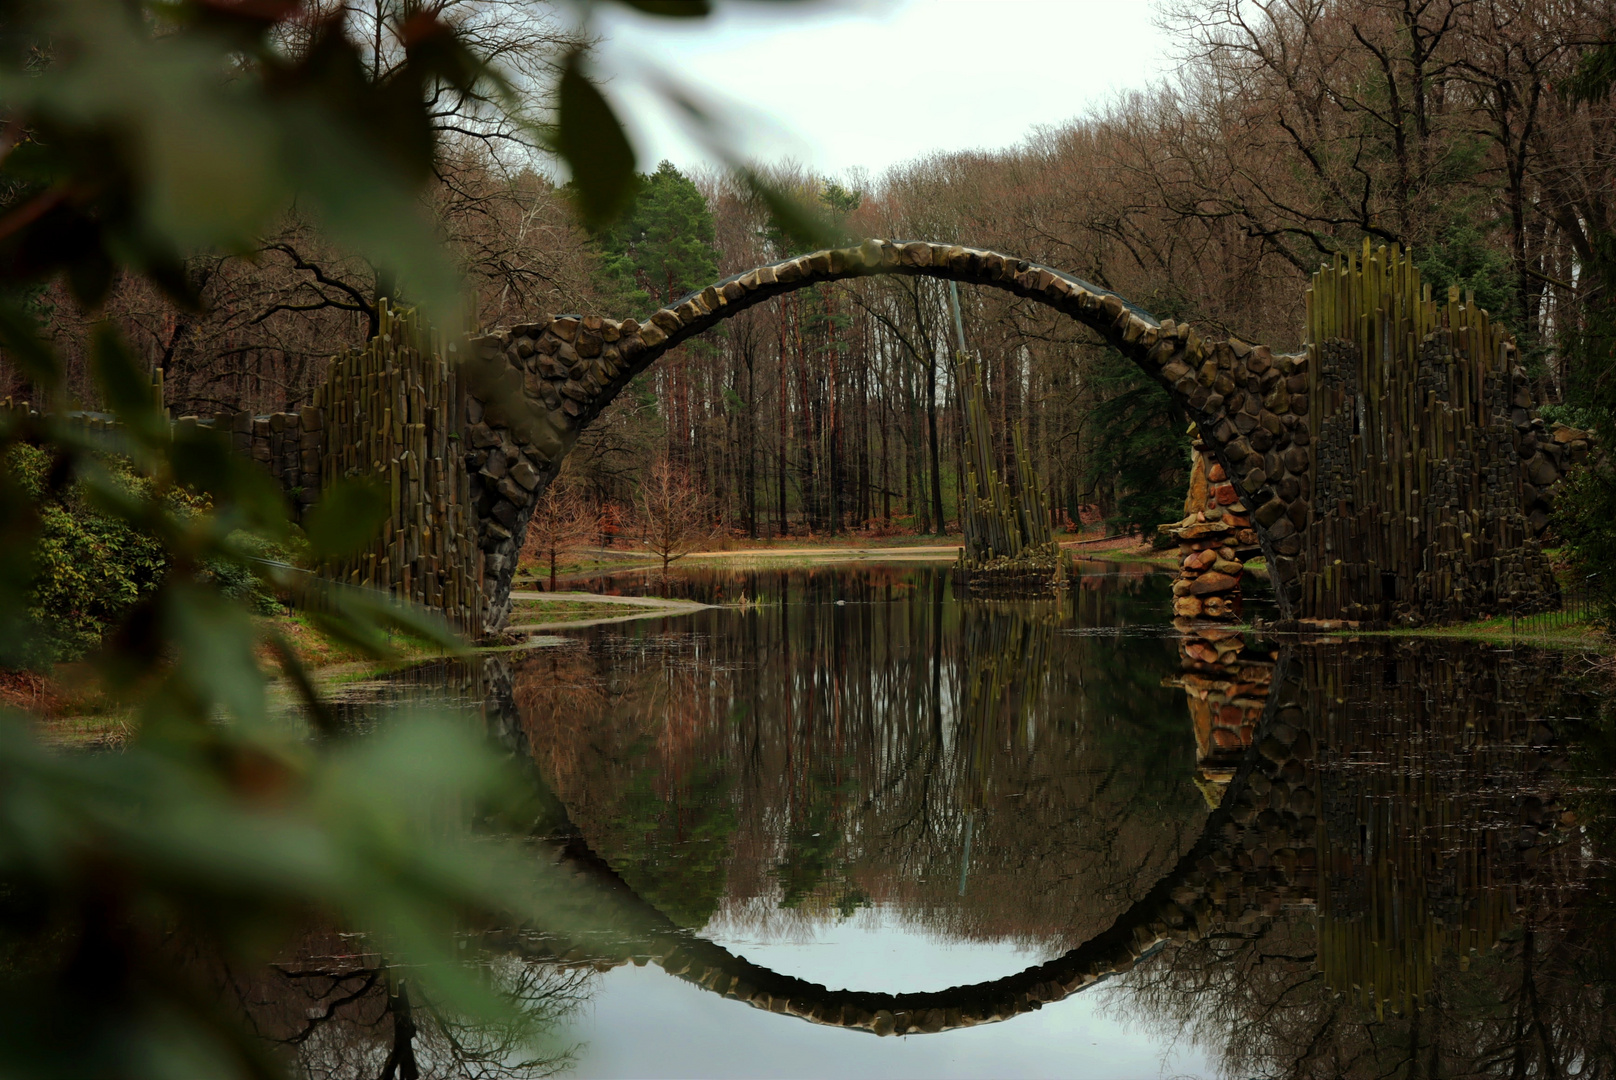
{"points": [[860, 787], [914, 654]]}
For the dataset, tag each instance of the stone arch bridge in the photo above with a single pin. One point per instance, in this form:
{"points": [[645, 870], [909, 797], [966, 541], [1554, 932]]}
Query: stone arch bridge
{"points": [[1391, 471]]}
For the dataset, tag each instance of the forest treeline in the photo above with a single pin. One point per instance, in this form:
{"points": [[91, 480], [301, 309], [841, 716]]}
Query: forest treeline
{"points": [[1290, 130]]}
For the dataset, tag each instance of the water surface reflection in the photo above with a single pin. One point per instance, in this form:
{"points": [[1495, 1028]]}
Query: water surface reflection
{"points": [[1049, 838], [862, 742]]}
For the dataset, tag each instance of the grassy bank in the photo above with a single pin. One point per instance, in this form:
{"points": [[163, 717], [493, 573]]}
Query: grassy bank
{"points": [[320, 653], [76, 714], [1550, 630], [1166, 558]]}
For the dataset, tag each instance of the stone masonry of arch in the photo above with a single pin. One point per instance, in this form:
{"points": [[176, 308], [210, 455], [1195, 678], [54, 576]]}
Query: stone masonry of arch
{"points": [[534, 387]]}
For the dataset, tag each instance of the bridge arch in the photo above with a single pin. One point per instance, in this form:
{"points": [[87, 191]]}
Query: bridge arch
{"points": [[536, 386]]}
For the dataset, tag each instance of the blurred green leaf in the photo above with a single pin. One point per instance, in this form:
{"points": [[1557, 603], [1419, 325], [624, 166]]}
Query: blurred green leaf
{"points": [[363, 619], [19, 530], [294, 671], [125, 386], [243, 493], [808, 226], [25, 349], [218, 639], [144, 132], [591, 140], [162, 142], [348, 516]]}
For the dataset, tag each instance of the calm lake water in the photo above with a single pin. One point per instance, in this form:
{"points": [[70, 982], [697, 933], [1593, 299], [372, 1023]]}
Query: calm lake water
{"points": [[1037, 838]]}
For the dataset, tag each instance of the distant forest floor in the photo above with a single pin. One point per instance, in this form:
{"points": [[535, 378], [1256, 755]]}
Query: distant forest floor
{"points": [[581, 564]]}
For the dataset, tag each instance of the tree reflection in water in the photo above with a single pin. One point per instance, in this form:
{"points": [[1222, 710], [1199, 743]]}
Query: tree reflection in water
{"points": [[1460, 925], [1405, 874], [836, 746], [334, 1012]]}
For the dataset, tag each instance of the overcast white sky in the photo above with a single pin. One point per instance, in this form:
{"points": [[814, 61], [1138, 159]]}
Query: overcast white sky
{"points": [[842, 84]]}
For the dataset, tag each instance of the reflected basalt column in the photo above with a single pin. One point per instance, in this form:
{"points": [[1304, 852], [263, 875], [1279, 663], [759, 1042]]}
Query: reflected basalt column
{"points": [[1006, 649], [1431, 790]]}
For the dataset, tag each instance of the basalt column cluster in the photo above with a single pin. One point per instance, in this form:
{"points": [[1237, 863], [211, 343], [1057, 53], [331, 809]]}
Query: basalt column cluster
{"points": [[1429, 471], [1009, 542], [391, 412]]}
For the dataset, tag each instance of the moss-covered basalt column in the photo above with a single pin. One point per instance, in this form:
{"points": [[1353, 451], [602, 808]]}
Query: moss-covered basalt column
{"points": [[1428, 467]]}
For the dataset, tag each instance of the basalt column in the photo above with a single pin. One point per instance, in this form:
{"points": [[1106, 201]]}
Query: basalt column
{"points": [[391, 413], [1421, 422]]}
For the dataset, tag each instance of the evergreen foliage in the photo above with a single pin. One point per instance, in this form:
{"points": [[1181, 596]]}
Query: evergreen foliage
{"points": [[1585, 512], [676, 849], [1463, 257], [663, 247], [1139, 463]]}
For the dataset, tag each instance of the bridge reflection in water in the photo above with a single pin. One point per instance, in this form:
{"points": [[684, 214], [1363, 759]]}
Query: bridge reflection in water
{"points": [[1337, 856]]}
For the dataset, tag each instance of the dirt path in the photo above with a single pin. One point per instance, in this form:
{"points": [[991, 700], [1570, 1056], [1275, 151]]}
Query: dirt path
{"points": [[1104, 549], [1112, 545], [833, 554]]}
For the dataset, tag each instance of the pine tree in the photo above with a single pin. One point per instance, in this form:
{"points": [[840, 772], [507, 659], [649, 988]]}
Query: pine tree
{"points": [[664, 247]]}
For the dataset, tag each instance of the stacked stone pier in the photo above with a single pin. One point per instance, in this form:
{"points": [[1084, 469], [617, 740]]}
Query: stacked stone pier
{"points": [[1215, 539]]}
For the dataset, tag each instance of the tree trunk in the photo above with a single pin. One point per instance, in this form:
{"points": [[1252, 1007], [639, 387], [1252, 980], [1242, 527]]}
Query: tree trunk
{"points": [[932, 438]]}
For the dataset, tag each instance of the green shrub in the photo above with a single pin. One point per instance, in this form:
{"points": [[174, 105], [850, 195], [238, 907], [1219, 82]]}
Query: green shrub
{"points": [[240, 582], [1570, 415], [89, 569], [1585, 519]]}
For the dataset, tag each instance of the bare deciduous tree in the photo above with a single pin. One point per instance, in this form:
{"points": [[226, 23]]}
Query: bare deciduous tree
{"points": [[673, 516], [564, 518]]}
